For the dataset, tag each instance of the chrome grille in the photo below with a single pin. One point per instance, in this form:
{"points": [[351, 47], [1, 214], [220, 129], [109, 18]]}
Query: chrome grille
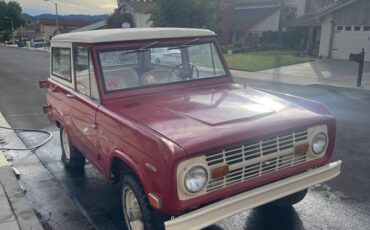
{"points": [[257, 158]]}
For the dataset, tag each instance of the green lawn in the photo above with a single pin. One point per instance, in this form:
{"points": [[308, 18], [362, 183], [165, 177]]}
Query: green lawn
{"points": [[255, 61]]}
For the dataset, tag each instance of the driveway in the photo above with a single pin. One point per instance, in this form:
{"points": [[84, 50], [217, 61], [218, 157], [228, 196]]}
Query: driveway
{"points": [[324, 72]]}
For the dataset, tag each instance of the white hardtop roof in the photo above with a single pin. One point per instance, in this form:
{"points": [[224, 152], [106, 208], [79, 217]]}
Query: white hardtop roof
{"points": [[115, 35]]}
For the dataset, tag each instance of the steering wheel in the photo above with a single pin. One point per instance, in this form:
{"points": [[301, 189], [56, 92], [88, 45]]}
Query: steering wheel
{"points": [[184, 75]]}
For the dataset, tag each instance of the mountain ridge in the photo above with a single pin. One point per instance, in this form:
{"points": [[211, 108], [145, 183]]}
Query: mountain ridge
{"points": [[92, 18]]}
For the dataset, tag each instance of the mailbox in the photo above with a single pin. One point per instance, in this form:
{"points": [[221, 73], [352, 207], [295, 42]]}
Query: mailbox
{"points": [[359, 58]]}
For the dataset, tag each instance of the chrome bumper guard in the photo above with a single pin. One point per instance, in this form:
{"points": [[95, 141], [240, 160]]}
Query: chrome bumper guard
{"points": [[215, 212]]}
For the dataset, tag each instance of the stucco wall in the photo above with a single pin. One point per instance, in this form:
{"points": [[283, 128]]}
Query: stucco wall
{"points": [[270, 23], [325, 39], [47, 31], [141, 20]]}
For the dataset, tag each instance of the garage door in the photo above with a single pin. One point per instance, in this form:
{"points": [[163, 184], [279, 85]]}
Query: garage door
{"points": [[351, 39]]}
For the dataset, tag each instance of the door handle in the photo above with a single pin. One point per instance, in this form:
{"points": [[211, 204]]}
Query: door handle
{"points": [[68, 95]]}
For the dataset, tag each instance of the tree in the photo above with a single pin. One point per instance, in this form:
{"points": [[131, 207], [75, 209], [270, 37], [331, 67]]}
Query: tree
{"points": [[11, 10], [185, 13]]}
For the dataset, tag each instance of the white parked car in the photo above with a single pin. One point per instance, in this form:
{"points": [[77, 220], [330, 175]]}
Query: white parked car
{"points": [[39, 42], [165, 56]]}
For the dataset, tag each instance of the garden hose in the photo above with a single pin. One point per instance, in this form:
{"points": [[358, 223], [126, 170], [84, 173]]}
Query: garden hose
{"points": [[28, 130]]}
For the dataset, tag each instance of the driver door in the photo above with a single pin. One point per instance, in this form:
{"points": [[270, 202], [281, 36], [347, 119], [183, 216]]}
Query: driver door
{"points": [[84, 104]]}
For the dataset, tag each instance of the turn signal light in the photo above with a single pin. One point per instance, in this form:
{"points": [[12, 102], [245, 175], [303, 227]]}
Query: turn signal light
{"points": [[155, 201], [220, 171], [301, 149]]}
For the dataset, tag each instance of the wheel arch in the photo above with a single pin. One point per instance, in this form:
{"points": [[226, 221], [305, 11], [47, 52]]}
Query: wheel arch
{"points": [[58, 124], [118, 162]]}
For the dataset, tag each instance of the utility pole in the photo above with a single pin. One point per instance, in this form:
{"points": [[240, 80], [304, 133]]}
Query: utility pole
{"points": [[56, 16], [12, 23], [281, 23]]}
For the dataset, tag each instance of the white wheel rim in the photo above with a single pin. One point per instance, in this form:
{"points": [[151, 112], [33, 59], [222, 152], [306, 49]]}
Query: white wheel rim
{"points": [[65, 143], [131, 210]]}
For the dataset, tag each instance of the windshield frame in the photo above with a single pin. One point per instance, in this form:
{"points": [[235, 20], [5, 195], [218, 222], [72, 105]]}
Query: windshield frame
{"points": [[122, 46]]}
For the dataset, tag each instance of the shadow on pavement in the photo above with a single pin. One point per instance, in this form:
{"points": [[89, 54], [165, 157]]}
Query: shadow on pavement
{"points": [[262, 218]]}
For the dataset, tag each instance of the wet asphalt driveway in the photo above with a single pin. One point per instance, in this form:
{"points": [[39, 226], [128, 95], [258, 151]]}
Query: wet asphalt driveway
{"points": [[343, 203]]}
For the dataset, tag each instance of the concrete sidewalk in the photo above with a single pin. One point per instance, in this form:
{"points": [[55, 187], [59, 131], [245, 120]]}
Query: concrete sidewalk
{"points": [[15, 211], [340, 73]]}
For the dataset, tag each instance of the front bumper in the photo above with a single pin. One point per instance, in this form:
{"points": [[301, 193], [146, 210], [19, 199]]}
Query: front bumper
{"points": [[215, 212]]}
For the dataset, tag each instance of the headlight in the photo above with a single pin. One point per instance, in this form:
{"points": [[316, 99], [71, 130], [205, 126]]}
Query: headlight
{"points": [[319, 143], [195, 179]]}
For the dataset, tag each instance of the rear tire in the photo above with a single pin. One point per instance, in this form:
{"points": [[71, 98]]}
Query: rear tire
{"points": [[289, 200], [71, 157], [138, 214]]}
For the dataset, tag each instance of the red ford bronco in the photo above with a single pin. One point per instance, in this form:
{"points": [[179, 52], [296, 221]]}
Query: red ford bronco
{"points": [[182, 139]]}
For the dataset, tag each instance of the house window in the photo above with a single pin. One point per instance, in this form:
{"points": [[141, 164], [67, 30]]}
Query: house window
{"points": [[348, 28], [339, 28], [61, 63], [255, 34], [366, 28], [357, 28]]}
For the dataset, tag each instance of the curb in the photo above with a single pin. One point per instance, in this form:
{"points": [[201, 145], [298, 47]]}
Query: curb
{"points": [[26, 48], [13, 200]]}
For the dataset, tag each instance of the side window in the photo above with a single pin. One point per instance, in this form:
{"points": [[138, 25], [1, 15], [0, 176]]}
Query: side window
{"points": [[61, 63], [85, 76]]}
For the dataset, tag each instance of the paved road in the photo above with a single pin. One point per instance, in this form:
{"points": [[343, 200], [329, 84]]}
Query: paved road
{"points": [[343, 203]]}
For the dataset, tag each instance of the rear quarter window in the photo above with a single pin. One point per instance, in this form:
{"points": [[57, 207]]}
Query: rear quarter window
{"points": [[61, 63]]}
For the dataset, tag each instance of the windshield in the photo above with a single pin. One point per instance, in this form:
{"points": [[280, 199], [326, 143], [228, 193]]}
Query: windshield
{"points": [[124, 69]]}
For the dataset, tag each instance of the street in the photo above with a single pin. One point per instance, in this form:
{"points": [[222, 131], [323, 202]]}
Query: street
{"points": [[89, 201]]}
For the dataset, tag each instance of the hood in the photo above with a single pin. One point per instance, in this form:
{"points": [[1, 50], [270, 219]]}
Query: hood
{"points": [[208, 117]]}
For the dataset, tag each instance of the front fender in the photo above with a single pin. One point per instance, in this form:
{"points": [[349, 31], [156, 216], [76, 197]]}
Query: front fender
{"points": [[311, 105], [134, 166]]}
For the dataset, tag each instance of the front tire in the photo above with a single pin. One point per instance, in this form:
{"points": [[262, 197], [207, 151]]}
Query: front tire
{"points": [[71, 157], [137, 212]]}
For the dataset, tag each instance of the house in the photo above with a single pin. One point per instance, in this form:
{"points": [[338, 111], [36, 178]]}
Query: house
{"points": [[139, 10], [245, 21], [336, 30], [45, 28], [95, 26], [128, 14], [345, 29]]}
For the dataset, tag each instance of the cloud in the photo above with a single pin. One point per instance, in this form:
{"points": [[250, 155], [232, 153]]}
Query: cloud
{"points": [[34, 7]]}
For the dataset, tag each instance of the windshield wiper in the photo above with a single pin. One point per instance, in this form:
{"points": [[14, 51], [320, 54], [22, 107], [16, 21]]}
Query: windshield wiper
{"points": [[149, 45], [142, 49], [184, 45]]}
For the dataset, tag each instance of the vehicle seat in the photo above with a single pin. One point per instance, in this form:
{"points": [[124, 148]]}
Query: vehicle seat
{"points": [[120, 78], [158, 76]]}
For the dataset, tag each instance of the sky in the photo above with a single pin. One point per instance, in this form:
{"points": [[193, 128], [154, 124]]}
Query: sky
{"points": [[92, 7]]}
